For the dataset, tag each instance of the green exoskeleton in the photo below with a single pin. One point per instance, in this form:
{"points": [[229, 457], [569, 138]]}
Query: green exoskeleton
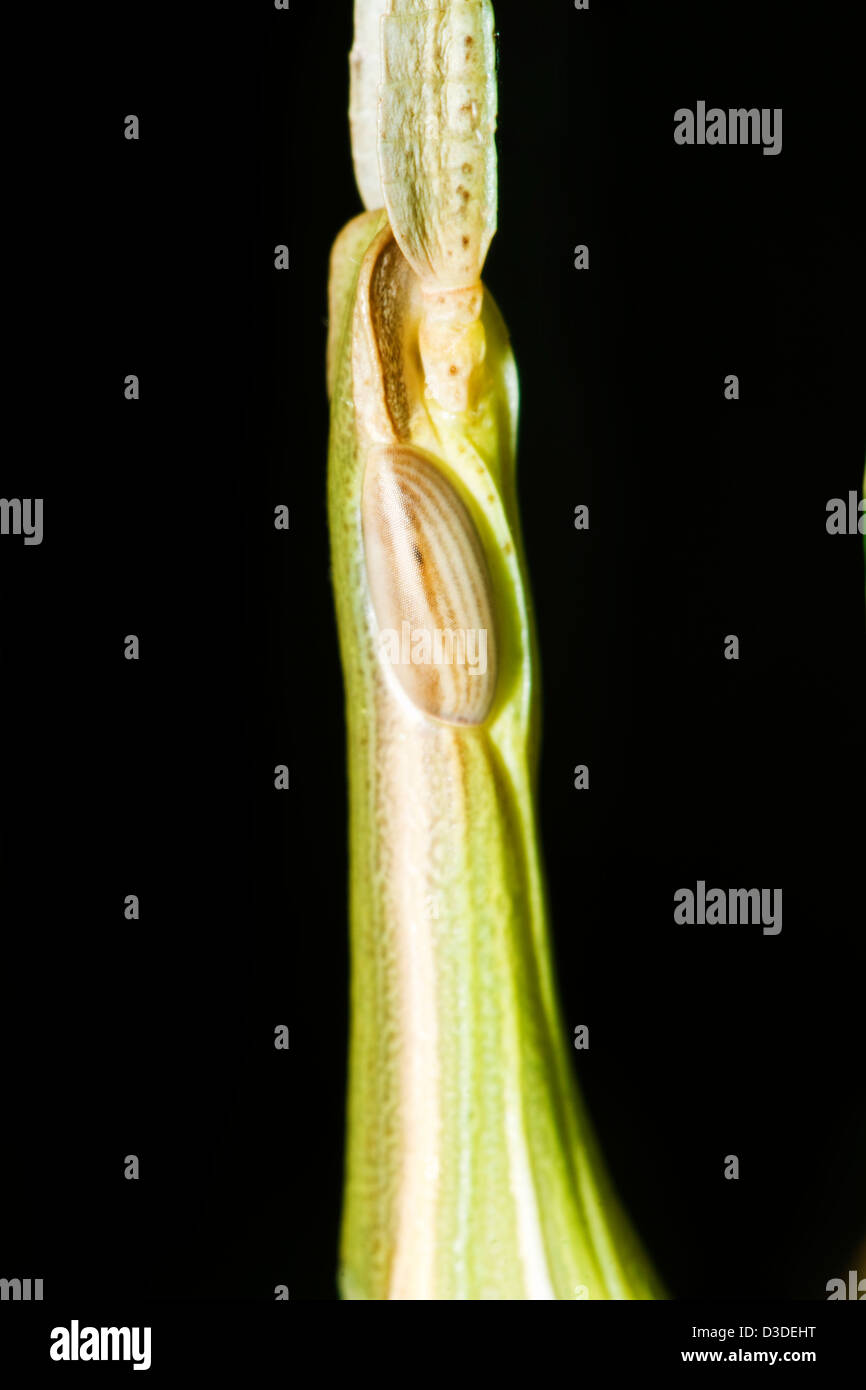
{"points": [[471, 1170]]}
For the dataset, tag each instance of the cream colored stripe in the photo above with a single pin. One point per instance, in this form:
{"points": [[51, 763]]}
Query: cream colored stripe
{"points": [[532, 1253], [414, 1267]]}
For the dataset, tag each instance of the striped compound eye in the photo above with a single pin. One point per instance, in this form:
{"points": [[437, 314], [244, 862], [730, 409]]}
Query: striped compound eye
{"points": [[430, 586]]}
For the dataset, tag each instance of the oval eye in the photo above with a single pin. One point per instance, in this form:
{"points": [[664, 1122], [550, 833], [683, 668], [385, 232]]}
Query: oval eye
{"points": [[430, 586]]}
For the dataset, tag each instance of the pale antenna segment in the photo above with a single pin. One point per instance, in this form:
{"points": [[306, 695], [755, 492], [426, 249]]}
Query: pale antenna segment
{"points": [[364, 78]]}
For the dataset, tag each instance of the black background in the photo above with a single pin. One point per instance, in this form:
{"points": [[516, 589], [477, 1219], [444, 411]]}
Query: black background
{"points": [[707, 518]]}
